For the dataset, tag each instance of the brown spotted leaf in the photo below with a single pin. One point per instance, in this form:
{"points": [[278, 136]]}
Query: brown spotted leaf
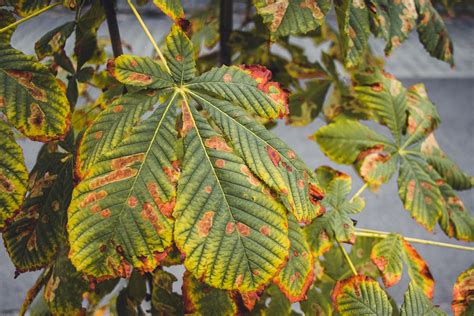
{"points": [[120, 216], [35, 234], [268, 157], [31, 98], [171, 8], [415, 302], [232, 231], [285, 17], [6, 18], [27, 7], [13, 174], [296, 277], [53, 41], [463, 293]]}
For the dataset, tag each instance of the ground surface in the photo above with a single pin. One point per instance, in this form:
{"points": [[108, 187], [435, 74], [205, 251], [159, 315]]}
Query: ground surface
{"points": [[451, 90]]}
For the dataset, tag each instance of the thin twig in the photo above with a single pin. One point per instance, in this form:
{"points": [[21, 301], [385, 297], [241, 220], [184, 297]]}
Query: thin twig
{"points": [[26, 18], [348, 259], [381, 234], [356, 195], [114, 32], [150, 37], [225, 29]]}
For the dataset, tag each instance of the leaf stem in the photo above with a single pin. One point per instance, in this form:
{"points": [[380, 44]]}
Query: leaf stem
{"points": [[26, 18], [346, 256], [381, 234], [150, 37], [362, 189]]}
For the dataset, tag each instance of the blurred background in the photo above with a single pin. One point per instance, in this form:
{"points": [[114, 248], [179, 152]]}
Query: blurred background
{"points": [[452, 91]]}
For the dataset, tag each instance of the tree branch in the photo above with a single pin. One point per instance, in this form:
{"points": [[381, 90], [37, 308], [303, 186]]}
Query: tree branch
{"points": [[225, 29], [111, 16]]}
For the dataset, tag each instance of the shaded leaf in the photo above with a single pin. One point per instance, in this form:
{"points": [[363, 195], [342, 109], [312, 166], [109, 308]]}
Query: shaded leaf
{"points": [[164, 300], [6, 18], [53, 41], [27, 7], [171, 8], [31, 98], [13, 174]]}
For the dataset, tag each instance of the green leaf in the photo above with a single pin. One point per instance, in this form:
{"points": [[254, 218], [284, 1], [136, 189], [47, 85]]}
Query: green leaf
{"points": [[416, 303], [298, 273], [433, 32], [36, 232], [463, 296], [444, 166], [180, 55], [164, 300], [385, 98], [389, 254], [354, 29], [268, 157], [306, 105], [343, 140], [31, 295], [279, 304], [317, 303], [27, 7], [250, 89], [53, 41], [171, 8], [418, 192], [231, 230], [201, 299], [31, 98], [394, 20], [112, 125], [360, 295], [376, 166], [285, 17], [121, 211], [423, 118], [140, 72], [6, 18], [13, 174]]}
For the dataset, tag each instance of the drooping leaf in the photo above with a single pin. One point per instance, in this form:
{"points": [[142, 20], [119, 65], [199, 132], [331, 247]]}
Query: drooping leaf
{"points": [[297, 275], [385, 98], [423, 118], [131, 297], [251, 89], [360, 295], [13, 174], [433, 32], [318, 237], [140, 72], [394, 20], [343, 140], [180, 55], [230, 229], [418, 192], [354, 29], [54, 41], [36, 232], [171, 8], [201, 299], [120, 216], [279, 303], [285, 17], [463, 293], [415, 302], [31, 98], [35, 290], [268, 157], [27, 7], [164, 300], [389, 254], [444, 166]]}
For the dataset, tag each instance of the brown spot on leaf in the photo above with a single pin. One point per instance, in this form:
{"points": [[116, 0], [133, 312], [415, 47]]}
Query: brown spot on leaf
{"points": [[132, 201], [217, 143], [205, 223], [165, 207], [239, 280], [187, 120], [291, 154], [227, 78], [105, 213], [98, 134], [208, 189], [243, 229], [50, 288], [220, 163], [126, 161], [103, 248], [95, 208], [32, 242], [229, 228], [179, 58], [2, 102], [315, 194], [37, 117], [25, 79], [92, 198], [250, 177], [111, 177], [140, 78], [6, 185], [265, 230], [148, 213], [55, 205], [274, 155], [314, 8], [117, 108], [411, 187]]}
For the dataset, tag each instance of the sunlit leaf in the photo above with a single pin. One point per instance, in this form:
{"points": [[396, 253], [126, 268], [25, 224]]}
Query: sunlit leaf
{"points": [[463, 293], [171, 8], [415, 302], [179, 54]]}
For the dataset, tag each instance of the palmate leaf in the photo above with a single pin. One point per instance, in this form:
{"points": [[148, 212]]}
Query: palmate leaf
{"points": [[31, 98], [34, 235], [297, 275], [360, 295], [54, 41], [268, 157], [285, 17], [13, 174], [179, 53], [415, 302], [201, 299], [433, 32], [463, 293], [171, 8], [390, 253], [128, 194], [354, 29], [229, 227]]}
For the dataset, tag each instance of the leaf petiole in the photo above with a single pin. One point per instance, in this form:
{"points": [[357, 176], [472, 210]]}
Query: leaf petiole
{"points": [[346, 256]]}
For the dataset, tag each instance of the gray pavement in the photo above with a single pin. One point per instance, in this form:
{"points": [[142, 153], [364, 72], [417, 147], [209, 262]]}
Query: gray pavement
{"points": [[451, 90]]}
